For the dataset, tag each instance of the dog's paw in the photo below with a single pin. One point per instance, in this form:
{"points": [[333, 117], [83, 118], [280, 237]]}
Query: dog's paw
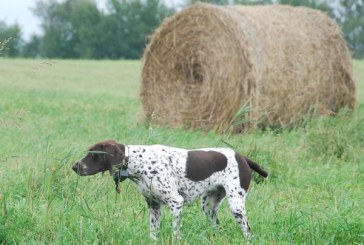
{"points": [[153, 237]]}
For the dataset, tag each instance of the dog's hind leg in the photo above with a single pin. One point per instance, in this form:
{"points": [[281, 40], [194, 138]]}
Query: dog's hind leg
{"points": [[236, 200]]}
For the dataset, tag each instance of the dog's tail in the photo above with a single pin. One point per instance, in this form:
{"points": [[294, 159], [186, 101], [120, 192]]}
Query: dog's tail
{"points": [[256, 167]]}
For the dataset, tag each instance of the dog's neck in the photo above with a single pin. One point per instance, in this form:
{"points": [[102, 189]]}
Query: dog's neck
{"points": [[125, 160], [126, 156], [122, 173]]}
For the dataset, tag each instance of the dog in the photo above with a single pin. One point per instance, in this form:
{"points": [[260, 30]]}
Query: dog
{"points": [[174, 177]]}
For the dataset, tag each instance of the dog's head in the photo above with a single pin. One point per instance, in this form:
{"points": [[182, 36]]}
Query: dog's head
{"points": [[101, 157]]}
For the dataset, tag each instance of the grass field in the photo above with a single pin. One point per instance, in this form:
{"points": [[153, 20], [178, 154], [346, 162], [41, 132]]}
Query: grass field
{"points": [[51, 111]]}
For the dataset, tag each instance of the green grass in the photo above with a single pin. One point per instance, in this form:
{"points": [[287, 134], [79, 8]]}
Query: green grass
{"points": [[50, 112]]}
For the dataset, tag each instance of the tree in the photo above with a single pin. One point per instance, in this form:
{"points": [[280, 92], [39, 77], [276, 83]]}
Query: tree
{"points": [[220, 2], [129, 24], [58, 37], [85, 18], [78, 29], [33, 47], [307, 3], [351, 18], [226, 2], [10, 40], [69, 28]]}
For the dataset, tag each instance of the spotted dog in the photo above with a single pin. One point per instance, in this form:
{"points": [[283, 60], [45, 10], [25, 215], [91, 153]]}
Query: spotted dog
{"points": [[174, 176]]}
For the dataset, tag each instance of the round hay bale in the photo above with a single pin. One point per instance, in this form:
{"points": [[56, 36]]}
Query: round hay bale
{"points": [[284, 63]]}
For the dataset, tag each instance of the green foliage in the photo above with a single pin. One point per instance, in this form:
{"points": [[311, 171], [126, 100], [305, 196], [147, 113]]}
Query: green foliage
{"points": [[307, 3], [70, 28], [351, 18], [79, 29], [10, 40], [47, 121], [225, 2], [221, 2], [128, 25], [32, 49]]}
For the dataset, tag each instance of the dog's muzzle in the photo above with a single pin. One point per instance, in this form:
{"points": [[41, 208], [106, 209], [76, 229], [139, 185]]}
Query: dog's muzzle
{"points": [[79, 168]]}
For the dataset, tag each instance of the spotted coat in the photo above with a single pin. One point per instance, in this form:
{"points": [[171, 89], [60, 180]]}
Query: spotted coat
{"points": [[175, 176]]}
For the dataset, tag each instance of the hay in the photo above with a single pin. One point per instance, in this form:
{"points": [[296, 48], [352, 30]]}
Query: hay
{"points": [[284, 63]]}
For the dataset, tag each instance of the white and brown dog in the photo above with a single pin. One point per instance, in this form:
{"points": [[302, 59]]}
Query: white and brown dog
{"points": [[174, 176]]}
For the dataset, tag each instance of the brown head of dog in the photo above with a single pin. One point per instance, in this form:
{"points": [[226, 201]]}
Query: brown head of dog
{"points": [[101, 157]]}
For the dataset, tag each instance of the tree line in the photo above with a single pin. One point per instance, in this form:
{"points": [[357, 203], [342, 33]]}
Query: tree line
{"points": [[80, 29]]}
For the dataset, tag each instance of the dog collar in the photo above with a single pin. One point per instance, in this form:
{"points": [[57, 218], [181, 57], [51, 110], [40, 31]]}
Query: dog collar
{"points": [[122, 173], [125, 162]]}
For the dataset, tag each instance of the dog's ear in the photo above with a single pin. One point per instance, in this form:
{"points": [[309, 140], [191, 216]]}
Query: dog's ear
{"points": [[104, 158], [113, 154]]}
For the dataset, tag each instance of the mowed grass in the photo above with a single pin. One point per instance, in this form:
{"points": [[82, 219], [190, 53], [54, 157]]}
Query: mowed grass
{"points": [[51, 111]]}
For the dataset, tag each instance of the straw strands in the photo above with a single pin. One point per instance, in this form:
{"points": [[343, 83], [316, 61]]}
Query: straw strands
{"points": [[283, 63]]}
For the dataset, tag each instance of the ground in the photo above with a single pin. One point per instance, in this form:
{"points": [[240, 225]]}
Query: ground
{"points": [[51, 111]]}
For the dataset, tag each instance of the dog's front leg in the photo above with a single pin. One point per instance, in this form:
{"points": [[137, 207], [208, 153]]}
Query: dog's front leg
{"points": [[175, 204], [154, 218]]}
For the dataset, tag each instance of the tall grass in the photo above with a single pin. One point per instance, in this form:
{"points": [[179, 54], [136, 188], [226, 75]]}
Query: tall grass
{"points": [[50, 114]]}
